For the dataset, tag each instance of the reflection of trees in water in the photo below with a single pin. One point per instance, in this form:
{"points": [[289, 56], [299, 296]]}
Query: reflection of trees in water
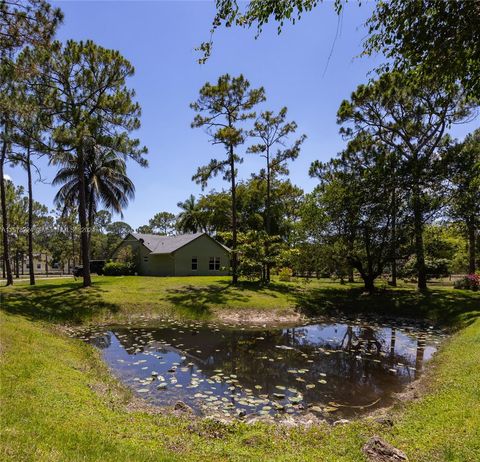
{"points": [[101, 341], [393, 339], [247, 354], [356, 339], [421, 343], [133, 340], [362, 339]]}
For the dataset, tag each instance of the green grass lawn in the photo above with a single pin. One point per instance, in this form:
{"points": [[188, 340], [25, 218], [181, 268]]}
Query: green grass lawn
{"points": [[116, 299], [59, 403]]}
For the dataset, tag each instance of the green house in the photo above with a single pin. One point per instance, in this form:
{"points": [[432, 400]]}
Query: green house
{"points": [[183, 255]]}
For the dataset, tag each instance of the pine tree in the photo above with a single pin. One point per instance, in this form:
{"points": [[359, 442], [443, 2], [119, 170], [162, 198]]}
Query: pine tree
{"points": [[93, 107], [221, 109]]}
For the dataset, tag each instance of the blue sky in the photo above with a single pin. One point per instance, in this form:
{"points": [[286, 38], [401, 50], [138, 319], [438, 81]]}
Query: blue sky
{"points": [[159, 38]]}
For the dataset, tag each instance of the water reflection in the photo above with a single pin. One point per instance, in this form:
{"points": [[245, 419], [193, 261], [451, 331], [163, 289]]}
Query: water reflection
{"points": [[333, 369]]}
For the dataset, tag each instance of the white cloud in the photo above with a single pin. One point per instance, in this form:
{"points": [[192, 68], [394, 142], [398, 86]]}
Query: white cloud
{"points": [[7, 177]]}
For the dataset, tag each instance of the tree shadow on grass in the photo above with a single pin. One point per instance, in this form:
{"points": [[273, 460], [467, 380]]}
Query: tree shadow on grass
{"points": [[272, 289], [448, 307], [199, 301], [57, 302]]}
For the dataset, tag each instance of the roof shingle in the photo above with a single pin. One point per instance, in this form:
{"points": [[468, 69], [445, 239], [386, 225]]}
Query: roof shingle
{"points": [[166, 244]]}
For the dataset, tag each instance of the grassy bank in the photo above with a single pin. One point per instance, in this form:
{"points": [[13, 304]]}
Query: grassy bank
{"points": [[114, 299], [59, 403]]}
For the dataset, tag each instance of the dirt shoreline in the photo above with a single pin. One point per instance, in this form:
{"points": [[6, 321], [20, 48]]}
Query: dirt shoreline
{"points": [[259, 317], [228, 316]]}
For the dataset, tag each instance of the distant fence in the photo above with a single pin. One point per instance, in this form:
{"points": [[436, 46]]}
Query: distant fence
{"points": [[40, 274]]}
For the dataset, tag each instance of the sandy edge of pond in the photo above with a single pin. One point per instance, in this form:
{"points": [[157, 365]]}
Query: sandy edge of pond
{"points": [[259, 317], [136, 404], [383, 416], [241, 316]]}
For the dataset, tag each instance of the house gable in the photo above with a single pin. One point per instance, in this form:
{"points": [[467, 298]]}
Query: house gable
{"points": [[129, 240], [222, 247], [203, 248]]}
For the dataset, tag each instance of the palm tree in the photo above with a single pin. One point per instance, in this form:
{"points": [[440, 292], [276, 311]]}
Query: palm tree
{"points": [[106, 182], [191, 218]]}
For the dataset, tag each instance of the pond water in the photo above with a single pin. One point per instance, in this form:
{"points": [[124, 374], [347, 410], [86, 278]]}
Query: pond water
{"points": [[336, 369]]}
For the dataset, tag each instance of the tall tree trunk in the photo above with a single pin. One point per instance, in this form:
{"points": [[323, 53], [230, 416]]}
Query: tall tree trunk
{"points": [[369, 279], [369, 283], [31, 271], [73, 247], [419, 245], [3, 200], [234, 219], [350, 269], [471, 245], [367, 275], [268, 218], [90, 215], [82, 216], [350, 274], [393, 281]]}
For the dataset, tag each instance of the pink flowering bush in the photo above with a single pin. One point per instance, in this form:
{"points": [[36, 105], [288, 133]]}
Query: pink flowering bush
{"points": [[470, 282]]}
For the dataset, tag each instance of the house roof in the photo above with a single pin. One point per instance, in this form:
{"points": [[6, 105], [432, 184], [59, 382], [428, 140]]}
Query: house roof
{"points": [[168, 244]]}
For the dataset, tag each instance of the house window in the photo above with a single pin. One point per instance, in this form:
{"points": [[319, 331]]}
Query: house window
{"points": [[145, 258], [194, 264], [214, 264], [39, 266]]}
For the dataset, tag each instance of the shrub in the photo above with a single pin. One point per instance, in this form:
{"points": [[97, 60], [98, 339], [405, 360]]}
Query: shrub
{"points": [[127, 254], [285, 274], [436, 268], [116, 268], [470, 282]]}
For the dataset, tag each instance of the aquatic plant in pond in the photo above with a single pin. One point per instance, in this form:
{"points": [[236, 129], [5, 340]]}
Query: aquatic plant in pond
{"points": [[335, 369]]}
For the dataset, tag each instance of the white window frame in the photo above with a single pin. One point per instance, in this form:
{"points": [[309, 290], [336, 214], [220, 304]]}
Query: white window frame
{"points": [[214, 263]]}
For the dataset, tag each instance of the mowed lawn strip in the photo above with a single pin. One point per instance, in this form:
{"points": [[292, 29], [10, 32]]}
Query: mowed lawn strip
{"points": [[116, 299]]}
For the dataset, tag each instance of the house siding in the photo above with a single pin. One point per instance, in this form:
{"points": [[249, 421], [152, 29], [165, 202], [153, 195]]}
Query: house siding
{"points": [[180, 262], [203, 248], [159, 265]]}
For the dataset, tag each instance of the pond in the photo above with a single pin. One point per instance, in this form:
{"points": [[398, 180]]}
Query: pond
{"points": [[335, 369]]}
